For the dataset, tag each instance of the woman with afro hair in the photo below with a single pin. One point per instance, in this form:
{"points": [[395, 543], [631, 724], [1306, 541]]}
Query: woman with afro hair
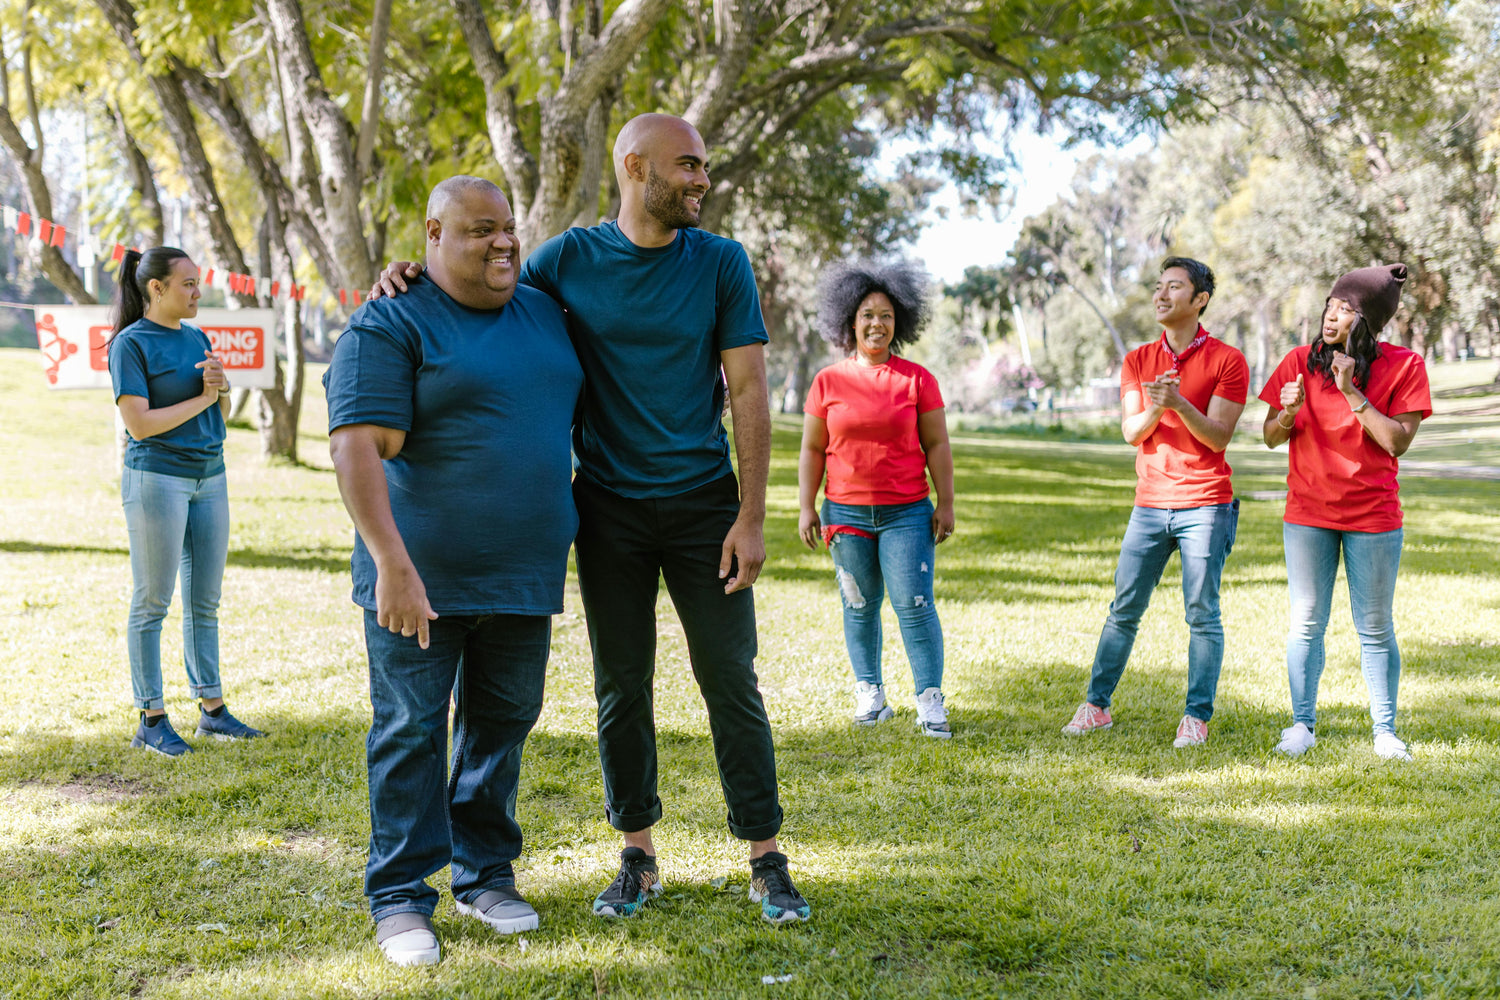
{"points": [[874, 424]]}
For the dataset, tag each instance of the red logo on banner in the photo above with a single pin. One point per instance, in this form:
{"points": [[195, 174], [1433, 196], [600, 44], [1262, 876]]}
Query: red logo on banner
{"points": [[99, 347], [54, 348], [238, 346]]}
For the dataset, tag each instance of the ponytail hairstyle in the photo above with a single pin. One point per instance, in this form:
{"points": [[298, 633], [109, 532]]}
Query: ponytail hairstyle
{"points": [[133, 289], [1361, 345]]}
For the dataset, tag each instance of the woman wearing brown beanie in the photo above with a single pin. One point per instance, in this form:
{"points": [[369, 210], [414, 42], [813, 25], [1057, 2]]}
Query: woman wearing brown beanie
{"points": [[1349, 406]]}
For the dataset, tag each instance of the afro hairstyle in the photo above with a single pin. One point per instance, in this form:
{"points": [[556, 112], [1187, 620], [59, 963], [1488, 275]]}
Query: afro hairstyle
{"points": [[847, 284]]}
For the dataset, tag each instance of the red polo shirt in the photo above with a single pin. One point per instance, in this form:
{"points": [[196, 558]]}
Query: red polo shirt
{"points": [[1173, 469]]}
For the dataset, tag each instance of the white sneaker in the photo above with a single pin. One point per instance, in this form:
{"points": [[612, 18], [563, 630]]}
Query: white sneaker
{"points": [[407, 939], [869, 704], [932, 717], [1296, 740], [1389, 746]]}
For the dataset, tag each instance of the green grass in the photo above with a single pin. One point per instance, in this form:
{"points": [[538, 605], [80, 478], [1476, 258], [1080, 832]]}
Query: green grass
{"points": [[1011, 861]]}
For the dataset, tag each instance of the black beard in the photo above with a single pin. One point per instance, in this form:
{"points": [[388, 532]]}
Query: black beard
{"points": [[665, 205]]}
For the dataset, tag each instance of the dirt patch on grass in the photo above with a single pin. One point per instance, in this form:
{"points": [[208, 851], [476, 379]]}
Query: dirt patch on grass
{"points": [[97, 788]]}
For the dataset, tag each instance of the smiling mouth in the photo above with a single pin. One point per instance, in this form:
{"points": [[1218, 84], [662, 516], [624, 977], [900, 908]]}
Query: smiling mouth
{"points": [[503, 258]]}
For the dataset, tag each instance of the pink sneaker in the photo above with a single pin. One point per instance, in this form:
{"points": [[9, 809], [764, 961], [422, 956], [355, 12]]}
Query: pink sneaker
{"points": [[1087, 719], [1191, 732]]}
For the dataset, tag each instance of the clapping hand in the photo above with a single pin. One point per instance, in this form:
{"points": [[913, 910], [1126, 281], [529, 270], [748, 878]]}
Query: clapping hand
{"points": [[1163, 392]]}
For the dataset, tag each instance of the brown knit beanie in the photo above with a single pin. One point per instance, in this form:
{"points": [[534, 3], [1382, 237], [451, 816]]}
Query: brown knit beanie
{"points": [[1374, 292]]}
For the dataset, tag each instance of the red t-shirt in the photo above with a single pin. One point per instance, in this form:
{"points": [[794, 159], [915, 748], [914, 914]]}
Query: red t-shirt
{"points": [[1338, 476], [874, 453], [1173, 469]]}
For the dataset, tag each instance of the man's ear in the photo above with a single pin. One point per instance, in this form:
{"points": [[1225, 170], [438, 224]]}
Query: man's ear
{"points": [[1201, 301], [635, 167], [434, 231]]}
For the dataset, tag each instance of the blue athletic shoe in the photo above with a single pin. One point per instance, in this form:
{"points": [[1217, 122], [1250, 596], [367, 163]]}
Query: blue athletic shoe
{"points": [[160, 738], [771, 886], [225, 726], [637, 882]]}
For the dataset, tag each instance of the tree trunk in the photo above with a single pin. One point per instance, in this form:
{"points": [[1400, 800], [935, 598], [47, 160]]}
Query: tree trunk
{"points": [[333, 141]]}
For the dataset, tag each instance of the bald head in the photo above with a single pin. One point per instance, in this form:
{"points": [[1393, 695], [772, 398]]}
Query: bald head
{"points": [[450, 192], [661, 165], [646, 135], [472, 250]]}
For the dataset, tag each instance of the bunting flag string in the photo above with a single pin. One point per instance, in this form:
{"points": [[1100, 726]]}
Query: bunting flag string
{"points": [[51, 233]]}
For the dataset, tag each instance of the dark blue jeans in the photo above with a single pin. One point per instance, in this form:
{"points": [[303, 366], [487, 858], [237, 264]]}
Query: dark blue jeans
{"points": [[1204, 536], [624, 546], [494, 668]]}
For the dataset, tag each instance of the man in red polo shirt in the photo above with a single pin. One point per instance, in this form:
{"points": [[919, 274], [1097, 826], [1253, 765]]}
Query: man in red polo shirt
{"points": [[1180, 399]]}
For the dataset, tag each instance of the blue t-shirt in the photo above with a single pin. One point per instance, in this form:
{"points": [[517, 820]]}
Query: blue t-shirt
{"points": [[481, 489], [649, 324], [158, 363]]}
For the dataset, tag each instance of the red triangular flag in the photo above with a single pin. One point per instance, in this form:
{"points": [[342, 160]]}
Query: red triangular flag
{"points": [[44, 229], [249, 285], [208, 278], [58, 234], [358, 298], [23, 224], [119, 255], [343, 297], [275, 289]]}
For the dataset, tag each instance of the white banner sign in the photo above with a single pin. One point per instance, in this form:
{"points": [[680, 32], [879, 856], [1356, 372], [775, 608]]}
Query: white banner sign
{"points": [[75, 345]]}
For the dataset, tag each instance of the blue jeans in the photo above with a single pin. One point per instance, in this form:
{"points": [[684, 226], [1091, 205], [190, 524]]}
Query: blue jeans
{"points": [[1204, 536], [1370, 560], [174, 523], [900, 559], [494, 668]]}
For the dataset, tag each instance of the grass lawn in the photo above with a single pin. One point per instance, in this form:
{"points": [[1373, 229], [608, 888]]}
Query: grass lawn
{"points": [[1010, 861]]}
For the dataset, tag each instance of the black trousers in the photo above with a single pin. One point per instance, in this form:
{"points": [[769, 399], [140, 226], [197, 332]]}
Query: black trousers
{"points": [[623, 547]]}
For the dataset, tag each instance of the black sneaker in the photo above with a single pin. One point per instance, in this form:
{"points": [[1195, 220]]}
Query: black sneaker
{"points": [[159, 738], [771, 886], [225, 726], [637, 882]]}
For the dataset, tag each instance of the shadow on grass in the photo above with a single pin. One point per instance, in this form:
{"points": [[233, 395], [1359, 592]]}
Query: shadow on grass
{"points": [[246, 859], [307, 560]]}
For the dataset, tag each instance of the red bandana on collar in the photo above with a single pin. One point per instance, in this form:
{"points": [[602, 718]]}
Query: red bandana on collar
{"points": [[1178, 359]]}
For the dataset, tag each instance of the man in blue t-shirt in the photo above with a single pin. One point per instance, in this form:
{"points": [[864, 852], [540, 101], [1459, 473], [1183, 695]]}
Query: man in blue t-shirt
{"points": [[449, 411], [666, 321]]}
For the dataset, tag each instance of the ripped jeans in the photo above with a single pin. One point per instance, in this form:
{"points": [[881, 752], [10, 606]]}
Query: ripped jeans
{"points": [[899, 559]]}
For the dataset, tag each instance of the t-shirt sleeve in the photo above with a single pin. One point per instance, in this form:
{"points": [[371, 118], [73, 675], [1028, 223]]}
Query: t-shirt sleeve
{"points": [[929, 396], [540, 269], [1412, 393], [1285, 372], [815, 403], [371, 379], [127, 368], [1130, 375], [1234, 378], [739, 321]]}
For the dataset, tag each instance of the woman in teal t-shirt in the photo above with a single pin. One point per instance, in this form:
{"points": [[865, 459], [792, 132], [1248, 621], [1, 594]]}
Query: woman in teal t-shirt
{"points": [[171, 390]]}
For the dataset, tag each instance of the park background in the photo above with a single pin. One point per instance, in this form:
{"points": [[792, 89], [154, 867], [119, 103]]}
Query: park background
{"points": [[1283, 142]]}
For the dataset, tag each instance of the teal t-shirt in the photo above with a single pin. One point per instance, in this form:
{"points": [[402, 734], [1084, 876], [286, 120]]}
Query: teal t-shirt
{"points": [[481, 491], [160, 364], [649, 324]]}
